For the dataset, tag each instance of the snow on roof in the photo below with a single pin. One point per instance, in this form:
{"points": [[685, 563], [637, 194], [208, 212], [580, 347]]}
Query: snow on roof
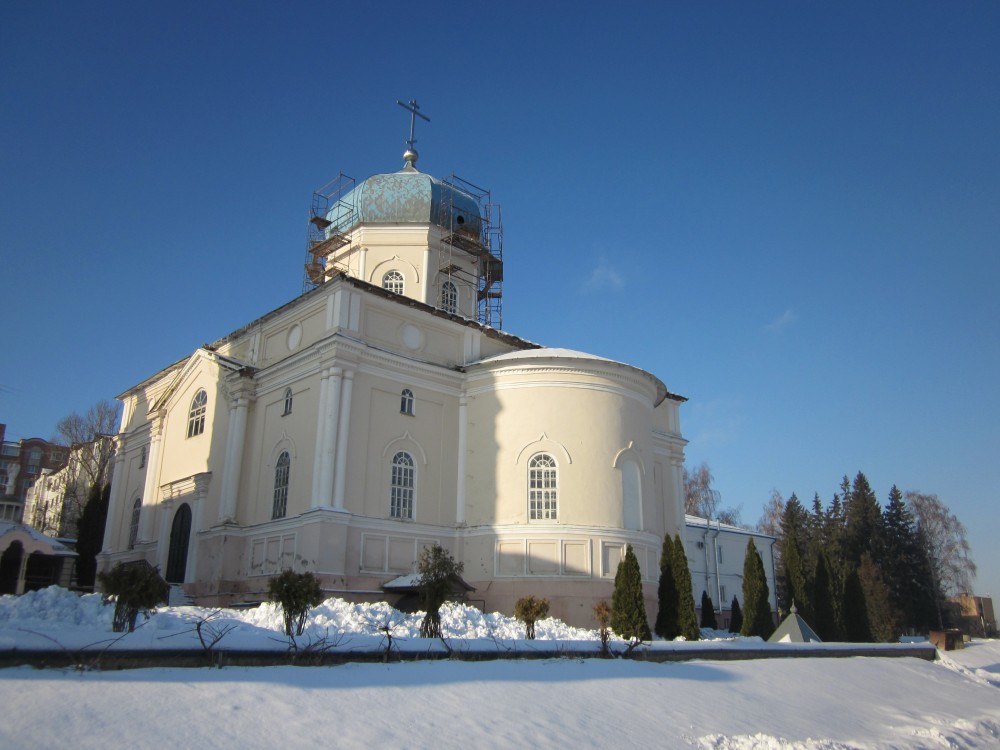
{"points": [[412, 581], [546, 352], [699, 522], [36, 540]]}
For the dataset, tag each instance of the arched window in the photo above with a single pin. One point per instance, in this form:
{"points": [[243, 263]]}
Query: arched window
{"points": [[133, 528], [196, 418], [393, 282], [631, 495], [449, 297], [543, 488], [406, 401], [180, 536], [281, 471], [401, 494], [142, 458], [288, 402]]}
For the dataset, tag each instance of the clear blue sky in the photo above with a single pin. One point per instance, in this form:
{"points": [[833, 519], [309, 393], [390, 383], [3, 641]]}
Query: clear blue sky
{"points": [[789, 212]]}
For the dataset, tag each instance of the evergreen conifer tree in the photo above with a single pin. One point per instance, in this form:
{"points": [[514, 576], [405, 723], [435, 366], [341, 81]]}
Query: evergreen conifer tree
{"points": [[686, 617], [735, 617], [824, 600], [667, 625], [795, 587], [857, 628], [901, 560], [90, 535], [757, 619], [628, 609], [883, 618], [863, 529], [708, 612]]}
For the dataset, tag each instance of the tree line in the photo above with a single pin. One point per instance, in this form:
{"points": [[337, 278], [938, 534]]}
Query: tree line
{"points": [[858, 571]]}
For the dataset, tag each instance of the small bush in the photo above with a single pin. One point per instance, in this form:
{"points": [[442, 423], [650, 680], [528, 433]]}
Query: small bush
{"points": [[602, 613], [438, 571], [296, 593], [135, 588], [529, 610], [708, 612], [736, 617]]}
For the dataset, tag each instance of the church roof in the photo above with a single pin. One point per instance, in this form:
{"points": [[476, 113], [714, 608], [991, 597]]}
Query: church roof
{"points": [[571, 354], [407, 197]]}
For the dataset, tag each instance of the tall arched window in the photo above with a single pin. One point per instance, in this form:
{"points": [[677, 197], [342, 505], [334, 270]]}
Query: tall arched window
{"points": [[288, 402], [133, 528], [393, 282], [449, 297], [401, 493], [631, 495], [281, 471], [196, 417], [543, 488], [406, 401], [180, 536]]}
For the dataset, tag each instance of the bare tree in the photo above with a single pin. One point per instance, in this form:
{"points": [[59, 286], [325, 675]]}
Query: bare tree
{"points": [[770, 522], [699, 497], [90, 439], [947, 547]]}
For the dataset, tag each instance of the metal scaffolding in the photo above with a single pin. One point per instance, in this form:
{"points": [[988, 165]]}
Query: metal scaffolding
{"points": [[483, 243], [325, 237]]}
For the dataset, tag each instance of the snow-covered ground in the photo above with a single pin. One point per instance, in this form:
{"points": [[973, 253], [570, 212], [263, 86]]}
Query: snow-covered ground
{"points": [[781, 703]]}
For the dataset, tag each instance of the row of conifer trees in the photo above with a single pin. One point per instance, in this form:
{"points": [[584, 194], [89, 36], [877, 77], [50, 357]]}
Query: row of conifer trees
{"points": [[675, 614], [855, 571]]}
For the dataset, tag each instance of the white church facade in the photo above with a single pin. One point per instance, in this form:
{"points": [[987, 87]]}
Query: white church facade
{"points": [[380, 412]]}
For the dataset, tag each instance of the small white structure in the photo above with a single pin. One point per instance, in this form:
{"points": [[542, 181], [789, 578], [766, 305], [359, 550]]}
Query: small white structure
{"points": [[793, 629], [715, 553]]}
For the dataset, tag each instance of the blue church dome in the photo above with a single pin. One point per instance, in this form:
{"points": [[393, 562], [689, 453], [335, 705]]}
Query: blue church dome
{"points": [[407, 197]]}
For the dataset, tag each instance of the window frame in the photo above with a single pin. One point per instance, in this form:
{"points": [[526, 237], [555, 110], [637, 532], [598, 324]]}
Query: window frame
{"points": [[196, 415], [543, 488], [289, 398], [393, 281], [406, 402], [449, 297], [402, 486], [282, 477], [133, 526]]}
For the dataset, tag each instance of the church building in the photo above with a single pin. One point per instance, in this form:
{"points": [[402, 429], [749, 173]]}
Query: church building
{"points": [[384, 410]]}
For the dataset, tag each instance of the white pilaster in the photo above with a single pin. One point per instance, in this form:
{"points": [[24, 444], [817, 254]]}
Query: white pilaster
{"points": [[149, 490], [329, 438], [320, 431], [345, 420], [115, 503], [462, 447], [235, 439]]}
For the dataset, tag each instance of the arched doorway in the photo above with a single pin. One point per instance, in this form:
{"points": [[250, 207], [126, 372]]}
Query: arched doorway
{"points": [[180, 535], [10, 567]]}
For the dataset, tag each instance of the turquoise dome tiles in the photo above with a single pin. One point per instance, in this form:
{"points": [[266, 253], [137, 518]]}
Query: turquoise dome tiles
{"points": [[407, 197]]}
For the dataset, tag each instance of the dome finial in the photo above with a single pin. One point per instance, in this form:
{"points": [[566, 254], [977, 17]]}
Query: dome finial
{"points": [[410, 155]]}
